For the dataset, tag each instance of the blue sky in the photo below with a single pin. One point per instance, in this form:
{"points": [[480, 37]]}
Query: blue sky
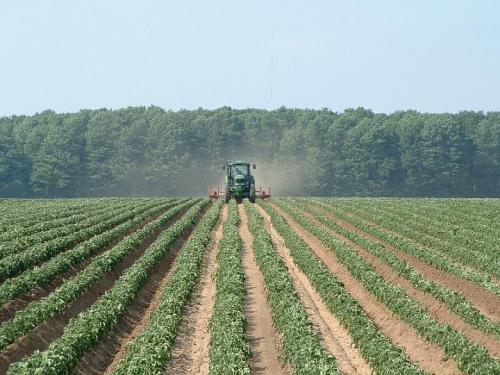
{"points": [[432, 56]]}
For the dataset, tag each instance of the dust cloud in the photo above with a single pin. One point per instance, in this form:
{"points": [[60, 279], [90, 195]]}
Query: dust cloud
{"points": [[286, 178]]}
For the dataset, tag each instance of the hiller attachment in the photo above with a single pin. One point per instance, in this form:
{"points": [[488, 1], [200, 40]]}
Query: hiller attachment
{"points": [[262, 194], [215, 193]]}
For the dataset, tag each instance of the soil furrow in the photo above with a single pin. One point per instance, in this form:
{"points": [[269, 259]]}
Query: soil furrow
{"points": [[51, 329], [486, 302], [332, 334], [261, 334], [190, 355], [437, 310], [428, 357], [136, 317], [29, 265], [390, 231], [8, 310]]}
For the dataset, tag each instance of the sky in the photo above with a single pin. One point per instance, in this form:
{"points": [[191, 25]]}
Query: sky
{"points": [[386, 55]]}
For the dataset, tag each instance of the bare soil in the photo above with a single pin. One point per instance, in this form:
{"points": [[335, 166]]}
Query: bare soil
{"points": [[261, 334], [190, 355], [112, 346], [485, 301], [387, 230], [8, 310], [428, 357], [52, 328], [437, 309], [334, 337]]}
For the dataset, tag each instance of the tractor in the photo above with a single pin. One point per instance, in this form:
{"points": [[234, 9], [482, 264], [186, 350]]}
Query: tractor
{"points": [[239, 183]]}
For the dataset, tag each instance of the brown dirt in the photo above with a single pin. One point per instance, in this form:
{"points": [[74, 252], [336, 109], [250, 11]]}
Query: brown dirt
{"points": [[334, 337], [61, 250], [190, 355], [52, 328], [261, 334], [103, 356], [8, 310], [437, 309], [428, 357], [486, 302], [387, 230]]}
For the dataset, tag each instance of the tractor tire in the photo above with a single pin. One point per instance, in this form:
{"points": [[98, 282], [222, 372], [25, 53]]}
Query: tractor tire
{"points": [[252, 193], [227, 196]]}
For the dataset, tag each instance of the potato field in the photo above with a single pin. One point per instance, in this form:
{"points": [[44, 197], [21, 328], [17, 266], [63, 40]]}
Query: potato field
{"points": [[283, 286]]}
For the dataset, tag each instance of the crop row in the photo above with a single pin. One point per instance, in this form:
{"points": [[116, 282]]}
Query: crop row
{"points": [[38, 311], [480, 211], [301, 347], [470, 358], [451, 217], [449, 226], [426, 255], [430, 231], [229, 348], [382, 355], [16, 212], [11, 231], [23, 243], [45, 231], [149, 352], [466, 213], [448, 240], [84, 331], [455, 301], [38, 276], [14, 264], [32, 212]]}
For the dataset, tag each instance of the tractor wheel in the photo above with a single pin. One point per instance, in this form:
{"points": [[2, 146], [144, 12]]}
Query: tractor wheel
{"points": [[227, 197], [252, 193]]}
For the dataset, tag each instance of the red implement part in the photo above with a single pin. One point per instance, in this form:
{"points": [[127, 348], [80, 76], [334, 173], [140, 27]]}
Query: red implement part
{"points": [[264, 194], [214, 193]]}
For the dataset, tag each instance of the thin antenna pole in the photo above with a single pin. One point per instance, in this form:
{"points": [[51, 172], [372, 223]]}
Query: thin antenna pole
{"points": [[272, 67]]}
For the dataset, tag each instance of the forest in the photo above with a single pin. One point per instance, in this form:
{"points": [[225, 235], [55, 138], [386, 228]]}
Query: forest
{"points": [[149, 151]]}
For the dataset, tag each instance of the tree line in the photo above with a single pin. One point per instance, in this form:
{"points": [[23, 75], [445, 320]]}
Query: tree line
{"points": [[142, 151]]}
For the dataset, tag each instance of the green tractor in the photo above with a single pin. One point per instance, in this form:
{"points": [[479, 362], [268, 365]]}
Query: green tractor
{"points": [[239, 183]]}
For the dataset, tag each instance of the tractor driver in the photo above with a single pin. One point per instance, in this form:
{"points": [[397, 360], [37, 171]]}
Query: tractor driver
{"points": [[237, 171]]}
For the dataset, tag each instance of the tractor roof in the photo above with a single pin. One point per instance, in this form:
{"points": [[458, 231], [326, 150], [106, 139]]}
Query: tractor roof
{"points": [[237, 162]]}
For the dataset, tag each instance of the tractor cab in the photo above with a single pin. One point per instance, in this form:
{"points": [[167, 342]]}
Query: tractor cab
{"points": [[239, 182], [239, 170], [239, 174]]}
